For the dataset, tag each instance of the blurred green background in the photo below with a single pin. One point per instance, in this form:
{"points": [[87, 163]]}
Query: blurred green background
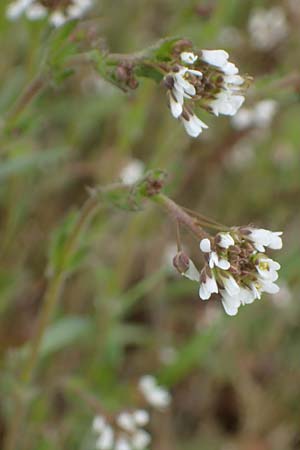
{"points": [[124, 311]]}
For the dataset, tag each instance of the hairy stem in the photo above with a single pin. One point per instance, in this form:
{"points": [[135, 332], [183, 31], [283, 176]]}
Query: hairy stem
{"points": [[179, 215]]}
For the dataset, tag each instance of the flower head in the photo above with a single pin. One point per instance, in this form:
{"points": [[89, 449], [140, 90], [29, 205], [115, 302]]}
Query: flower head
{"points": [[154, 394], [205, 78], [237, 268]]}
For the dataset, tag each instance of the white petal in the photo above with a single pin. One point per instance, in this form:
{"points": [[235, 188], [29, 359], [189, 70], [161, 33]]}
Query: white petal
{"points": [[217, 58], [175, 106], [192, 273], [275, 240], [205, 245], [226, 240], [193, 126], [57, 18], [230, 303], [223, 264], [140, 440], [230, 285], [36, 11], [188, 57], [270, 288]]}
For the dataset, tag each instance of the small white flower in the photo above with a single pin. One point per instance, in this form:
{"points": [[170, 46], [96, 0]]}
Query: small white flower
{"points": [[99, 424], [57, 18], [267, 269], [188, 57], [192, 273], [141, 417], [231, 303], [126, 421], [267, 28], [227, 103], [140, 440], [182, 85], [122, 444], [230, 285], [106, 439], [225, 240], [218, 58], [132, 172], [154, 394], [36, 11], [175, 102], [208, 286], [193, 125], [16, 9], [262, 238]]}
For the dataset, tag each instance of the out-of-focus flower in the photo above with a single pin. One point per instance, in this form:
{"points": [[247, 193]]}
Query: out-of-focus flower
{"points": [[267, 28], [58, 11], [124, 433], [154, 394], [237, 267], [207, 79], [260, 116], [132, 172]]}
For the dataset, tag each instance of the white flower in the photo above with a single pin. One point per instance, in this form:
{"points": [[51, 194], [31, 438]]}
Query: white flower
{"points": [[36, 11], [267, 269], [231, 303], [205, 245], [154, 394], [141, 417], [227, 103], [132, 172], [106, 439], [214, 260], [260, 116], [208, 286], [262, 238], [182, 85], [192, 273], [16, 9], [230, 285], [175, 102], [57, 18], [218, 58], [225, 240], [188, 57], [126, 421], [140, 440], [193, 125], [267, 28], [99, 424], [122, 444]]}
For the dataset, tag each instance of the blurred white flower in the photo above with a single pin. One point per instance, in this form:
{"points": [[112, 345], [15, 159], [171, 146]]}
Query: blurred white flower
{"points": [[260, 116], [36, 10], [154, 394], [132, 172], [267, 28]]}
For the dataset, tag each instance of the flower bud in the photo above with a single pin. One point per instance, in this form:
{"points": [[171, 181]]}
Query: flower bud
{"points": [[181, 262]]}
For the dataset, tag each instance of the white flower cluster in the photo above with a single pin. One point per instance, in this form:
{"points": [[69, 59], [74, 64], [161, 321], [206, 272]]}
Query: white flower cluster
{"points": [[260, 116], [126, 433], [155, 395], [267, 28], [58, 15], [237, 267], [207, 78], [132, 172]]}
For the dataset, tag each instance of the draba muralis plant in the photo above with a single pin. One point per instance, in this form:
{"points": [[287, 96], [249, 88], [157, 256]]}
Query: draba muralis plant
{"points": [[192, 78]]}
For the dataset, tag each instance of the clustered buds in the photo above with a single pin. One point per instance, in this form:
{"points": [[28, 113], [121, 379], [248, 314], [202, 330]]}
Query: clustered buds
{"points": [[207, 79], [237, 267], [126, 430], [60, 11]]}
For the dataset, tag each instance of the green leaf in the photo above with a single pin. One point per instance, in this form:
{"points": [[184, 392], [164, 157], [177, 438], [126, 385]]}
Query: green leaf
{"points": [[63, 333]]}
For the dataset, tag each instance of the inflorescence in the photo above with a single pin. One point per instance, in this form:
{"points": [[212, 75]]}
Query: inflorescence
{"points": [[236, 266], [206, 79]]}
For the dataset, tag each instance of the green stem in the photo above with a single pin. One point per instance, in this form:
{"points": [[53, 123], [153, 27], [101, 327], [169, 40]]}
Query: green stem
{"points": [[51, 298], [30, 92]]}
